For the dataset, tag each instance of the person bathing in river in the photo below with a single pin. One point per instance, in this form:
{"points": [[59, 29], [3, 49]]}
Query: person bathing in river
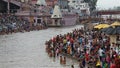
{"points": [[61, 59]]}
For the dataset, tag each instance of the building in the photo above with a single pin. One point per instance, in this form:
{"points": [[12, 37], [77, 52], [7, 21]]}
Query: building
{"points": [[38, 11], [41, 2], [84, 8], [111, 15], [79, 6], [63, 4], [11, 8], [51, 3], [56, 16]]}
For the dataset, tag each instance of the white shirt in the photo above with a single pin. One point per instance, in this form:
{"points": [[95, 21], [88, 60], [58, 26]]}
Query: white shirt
{"points": [[100, 52]]}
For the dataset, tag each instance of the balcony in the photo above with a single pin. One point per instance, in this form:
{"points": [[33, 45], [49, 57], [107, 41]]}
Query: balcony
{"points": [[16, 2]]}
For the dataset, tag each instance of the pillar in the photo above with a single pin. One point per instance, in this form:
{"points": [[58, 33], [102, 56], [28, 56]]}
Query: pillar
{"points": [[8, 6]]}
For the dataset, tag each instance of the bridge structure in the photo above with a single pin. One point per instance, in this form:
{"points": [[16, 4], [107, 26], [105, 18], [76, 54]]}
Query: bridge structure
{"points": [[101, 16]]}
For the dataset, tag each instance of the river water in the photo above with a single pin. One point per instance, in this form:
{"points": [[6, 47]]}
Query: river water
{"points": [[27, 50]]}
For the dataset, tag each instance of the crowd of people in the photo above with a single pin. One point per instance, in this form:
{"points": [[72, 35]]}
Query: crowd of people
{"points": [[91, 48], [12, 24]]}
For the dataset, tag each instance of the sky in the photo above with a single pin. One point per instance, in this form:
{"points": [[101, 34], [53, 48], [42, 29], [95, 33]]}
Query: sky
{"points": [[106, 4]]}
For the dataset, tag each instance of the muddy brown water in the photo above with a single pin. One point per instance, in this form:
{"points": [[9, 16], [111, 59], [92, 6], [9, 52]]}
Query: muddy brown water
{"points": [[27, 50]]}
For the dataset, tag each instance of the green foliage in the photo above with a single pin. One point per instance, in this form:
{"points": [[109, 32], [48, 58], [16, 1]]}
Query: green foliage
{"points": [[118, 8], [92, 4], [87, 1]]}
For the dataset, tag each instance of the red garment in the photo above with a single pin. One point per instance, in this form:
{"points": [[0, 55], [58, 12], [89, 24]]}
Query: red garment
{"points": [[113, 66], [54, 39], [87, 57], [71, 40], [108, 59], [68, 38], [117, 62]]}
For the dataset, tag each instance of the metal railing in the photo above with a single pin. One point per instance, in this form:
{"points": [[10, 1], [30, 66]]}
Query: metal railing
{"points": [[86, 17]]}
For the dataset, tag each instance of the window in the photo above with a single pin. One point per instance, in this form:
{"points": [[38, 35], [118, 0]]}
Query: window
{"points": [[38, 20], [80, 5], [56, 20], [55, 15]]}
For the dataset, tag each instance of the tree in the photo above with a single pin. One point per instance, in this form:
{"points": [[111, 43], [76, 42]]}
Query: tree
{"points": [[118, 8], [92, 4], [87, 1]]}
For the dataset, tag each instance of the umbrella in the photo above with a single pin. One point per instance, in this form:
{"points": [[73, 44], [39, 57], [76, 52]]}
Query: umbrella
{"points": [[115, 23], [104, 29], [100, 26], [112, 30]]}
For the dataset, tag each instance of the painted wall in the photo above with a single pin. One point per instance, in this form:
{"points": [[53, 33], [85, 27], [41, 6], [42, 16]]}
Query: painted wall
{"points": [[70, 19]]}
